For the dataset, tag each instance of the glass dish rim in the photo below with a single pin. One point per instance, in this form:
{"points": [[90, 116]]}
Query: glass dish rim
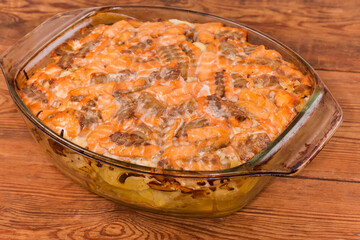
{"points": [[245, 169]]}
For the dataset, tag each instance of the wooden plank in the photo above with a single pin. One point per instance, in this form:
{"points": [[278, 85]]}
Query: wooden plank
{"points": [[288, 208], [38, 202]]}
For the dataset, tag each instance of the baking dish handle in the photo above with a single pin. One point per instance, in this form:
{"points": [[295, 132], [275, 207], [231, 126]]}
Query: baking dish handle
{"points": [[304, 139]]}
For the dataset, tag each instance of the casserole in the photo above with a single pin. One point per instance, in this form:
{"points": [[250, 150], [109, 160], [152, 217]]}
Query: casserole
{"points": [[177, 192]]}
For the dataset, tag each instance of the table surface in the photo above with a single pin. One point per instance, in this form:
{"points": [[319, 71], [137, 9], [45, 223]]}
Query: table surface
{"points": [[321, 202]]}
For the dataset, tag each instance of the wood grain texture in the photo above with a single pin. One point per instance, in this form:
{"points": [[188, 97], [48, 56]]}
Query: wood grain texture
{"points": [[38, 202]]}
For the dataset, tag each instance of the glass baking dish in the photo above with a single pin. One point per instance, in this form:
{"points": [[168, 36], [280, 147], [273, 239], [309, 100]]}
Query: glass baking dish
{"points": [[174, 192]]}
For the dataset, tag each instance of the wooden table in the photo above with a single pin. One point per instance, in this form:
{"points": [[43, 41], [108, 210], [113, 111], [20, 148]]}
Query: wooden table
{"points": [[322, 202]]}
